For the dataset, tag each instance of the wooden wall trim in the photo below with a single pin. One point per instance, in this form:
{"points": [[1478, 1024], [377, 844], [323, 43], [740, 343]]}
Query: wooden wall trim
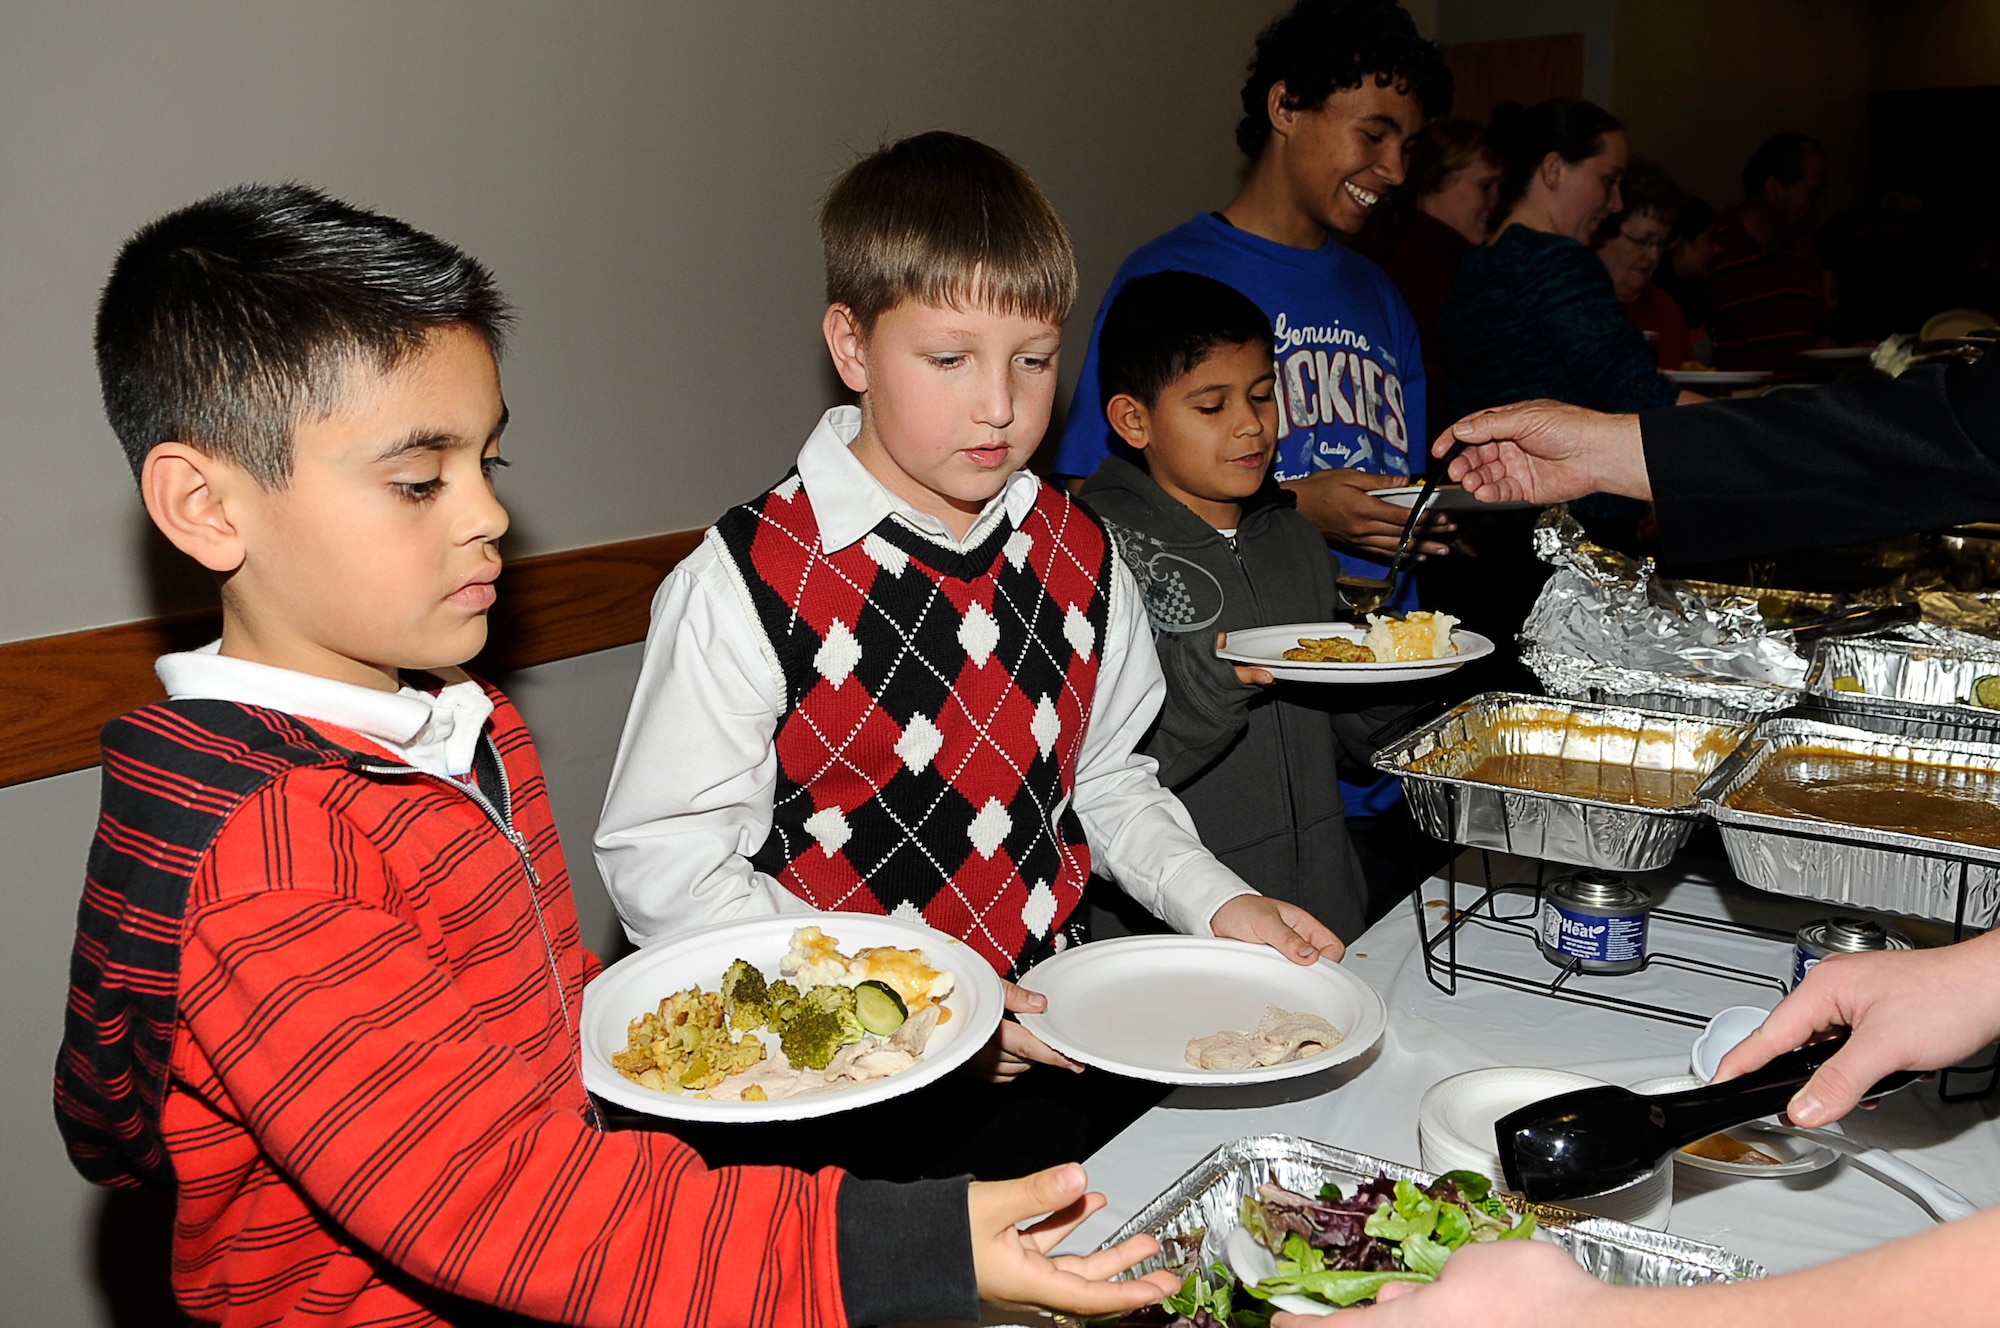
{"points": [[56, 692]]}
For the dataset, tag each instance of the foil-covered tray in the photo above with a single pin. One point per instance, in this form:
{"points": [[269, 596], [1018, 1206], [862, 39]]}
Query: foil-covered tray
{"points": [[1859, 866], [1212, 1192], [1915, 687], [1575, 678], [1436, 763]]}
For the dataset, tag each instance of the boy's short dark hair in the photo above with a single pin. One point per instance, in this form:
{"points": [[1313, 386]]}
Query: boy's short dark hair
{"points": [[1163, 325], [945, 220], [1326, 46], [1781, 157], [223, 323]]}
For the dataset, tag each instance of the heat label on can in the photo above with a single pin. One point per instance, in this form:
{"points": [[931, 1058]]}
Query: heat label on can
{"points": [[1591, 938], [1803, 962]]}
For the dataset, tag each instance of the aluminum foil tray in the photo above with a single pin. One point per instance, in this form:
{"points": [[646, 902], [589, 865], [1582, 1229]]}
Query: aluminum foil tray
{"points": [[1907, 687], [1555, 827], [1212, 1192], [1575, 678], [1846, 864]]}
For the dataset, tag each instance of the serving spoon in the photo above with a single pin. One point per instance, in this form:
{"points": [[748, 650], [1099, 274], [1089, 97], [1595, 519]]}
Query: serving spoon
{"points": [[1598, 1139], [1365, 594]]}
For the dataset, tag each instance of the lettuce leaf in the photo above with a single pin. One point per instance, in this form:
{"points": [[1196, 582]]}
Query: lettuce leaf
{"points": [[1333, 1285]]}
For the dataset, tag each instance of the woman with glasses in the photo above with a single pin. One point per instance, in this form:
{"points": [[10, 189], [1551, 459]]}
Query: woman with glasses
{"points": [[1631, 243]]}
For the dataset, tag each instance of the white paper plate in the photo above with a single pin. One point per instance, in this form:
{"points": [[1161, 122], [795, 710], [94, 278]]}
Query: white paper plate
{"points": [[1837, 354], [638, 982], [1265, 647], [1130, 1005], [1448, 498], [1455, 1122], [1717, 377]]}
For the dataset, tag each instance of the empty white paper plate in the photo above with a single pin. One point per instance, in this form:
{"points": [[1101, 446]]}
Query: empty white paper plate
{"points": [[1130, 1005]]}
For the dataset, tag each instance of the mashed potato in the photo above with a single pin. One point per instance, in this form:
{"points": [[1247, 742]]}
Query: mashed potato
{"points": [[1420, 635]]}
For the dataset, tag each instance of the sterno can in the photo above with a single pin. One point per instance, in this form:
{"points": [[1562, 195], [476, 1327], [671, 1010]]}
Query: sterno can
{"points": [[1596, 921], [1828, 936]]}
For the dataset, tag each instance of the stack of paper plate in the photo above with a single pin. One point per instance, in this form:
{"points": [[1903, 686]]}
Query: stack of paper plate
{"points": [[1455, 1133]]}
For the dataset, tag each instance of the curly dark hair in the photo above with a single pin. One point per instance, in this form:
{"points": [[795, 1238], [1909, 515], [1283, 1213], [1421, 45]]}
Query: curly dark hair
{"points": [[1326, 46]]}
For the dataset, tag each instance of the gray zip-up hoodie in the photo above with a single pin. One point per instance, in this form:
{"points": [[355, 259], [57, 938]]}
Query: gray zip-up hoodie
{"points": [[1257, 767]]}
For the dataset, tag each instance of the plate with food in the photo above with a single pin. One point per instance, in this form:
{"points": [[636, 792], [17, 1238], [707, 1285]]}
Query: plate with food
{"points": [[785, 1018], [1389, 648], [1445, 498], [1702, 379], [1201, 1010]]}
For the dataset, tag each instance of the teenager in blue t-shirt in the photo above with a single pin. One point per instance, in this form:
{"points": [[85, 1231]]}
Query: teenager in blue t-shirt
{"points": [[1335, 92]]}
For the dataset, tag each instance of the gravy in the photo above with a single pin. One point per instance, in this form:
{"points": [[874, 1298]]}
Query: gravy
{"points": [[1585, 779], [1955, 803]]}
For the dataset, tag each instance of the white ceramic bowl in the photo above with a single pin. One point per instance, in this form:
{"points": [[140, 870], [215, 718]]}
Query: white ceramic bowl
{"points": [[1455, 1133]]}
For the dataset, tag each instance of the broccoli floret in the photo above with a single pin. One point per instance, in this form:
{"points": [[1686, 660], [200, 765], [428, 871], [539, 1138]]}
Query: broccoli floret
{"points": [[811, 1036], [833, 998], [745, 996], [781, 1002]]}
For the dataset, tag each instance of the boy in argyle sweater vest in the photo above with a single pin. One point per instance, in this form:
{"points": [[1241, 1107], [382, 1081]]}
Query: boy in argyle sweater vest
{"points": [[910, 678], [327, 976]]}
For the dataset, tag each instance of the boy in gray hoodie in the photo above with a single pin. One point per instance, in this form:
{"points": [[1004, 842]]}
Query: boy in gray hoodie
{"points": [[1185, 370]]}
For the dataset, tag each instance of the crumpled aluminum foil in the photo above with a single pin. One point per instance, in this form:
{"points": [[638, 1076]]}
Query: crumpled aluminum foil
{"points": [[1608, 628]]}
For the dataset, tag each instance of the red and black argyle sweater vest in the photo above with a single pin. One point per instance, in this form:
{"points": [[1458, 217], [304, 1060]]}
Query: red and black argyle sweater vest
{"points": [[935, 706]]}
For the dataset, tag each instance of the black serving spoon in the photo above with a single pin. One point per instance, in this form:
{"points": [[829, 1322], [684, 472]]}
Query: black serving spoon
{"points": [[1599, 1139]]}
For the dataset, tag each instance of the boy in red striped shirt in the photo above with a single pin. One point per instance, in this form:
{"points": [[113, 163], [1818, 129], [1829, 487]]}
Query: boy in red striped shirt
{"points": [[327, 971]]}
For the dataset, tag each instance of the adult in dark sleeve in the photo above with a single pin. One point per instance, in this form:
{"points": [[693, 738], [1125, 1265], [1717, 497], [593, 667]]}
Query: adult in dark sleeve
{"points": [[1851, 461], [1860, 459]]}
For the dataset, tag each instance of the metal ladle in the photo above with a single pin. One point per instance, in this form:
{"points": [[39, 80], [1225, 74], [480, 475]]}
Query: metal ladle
{"points": [[1361, 595]]}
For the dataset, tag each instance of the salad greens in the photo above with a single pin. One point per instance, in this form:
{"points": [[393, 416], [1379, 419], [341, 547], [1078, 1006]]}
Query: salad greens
{"points": [[1343, 1249]]}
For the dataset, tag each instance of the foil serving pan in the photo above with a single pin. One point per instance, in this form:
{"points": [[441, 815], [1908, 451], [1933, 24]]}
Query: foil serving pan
{"points": [[1557, 827], [1917, 688], [1212, 1193], [1885, 870]]}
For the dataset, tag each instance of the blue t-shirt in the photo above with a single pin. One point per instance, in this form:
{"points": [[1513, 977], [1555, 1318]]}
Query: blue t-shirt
{"points": [[1350, 374]]}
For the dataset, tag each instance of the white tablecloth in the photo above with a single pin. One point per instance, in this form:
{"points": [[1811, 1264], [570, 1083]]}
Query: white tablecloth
{"points": [[1370, 1106]]}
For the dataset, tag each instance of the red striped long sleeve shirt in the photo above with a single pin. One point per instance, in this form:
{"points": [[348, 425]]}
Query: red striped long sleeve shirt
{"points": [[373, 1108]]}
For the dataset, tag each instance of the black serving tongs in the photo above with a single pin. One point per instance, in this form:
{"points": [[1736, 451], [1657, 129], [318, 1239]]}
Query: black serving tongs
{"points": [[1599, 1139], [1365, 595]]}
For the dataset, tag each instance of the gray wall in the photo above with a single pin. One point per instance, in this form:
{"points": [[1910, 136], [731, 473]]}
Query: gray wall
{"points": [[641, 176]]}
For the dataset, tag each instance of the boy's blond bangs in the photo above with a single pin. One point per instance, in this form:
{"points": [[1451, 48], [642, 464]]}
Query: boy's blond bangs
{"points": [[945, 220]]}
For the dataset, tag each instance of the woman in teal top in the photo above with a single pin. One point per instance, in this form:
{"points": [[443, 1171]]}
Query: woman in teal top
{"points": [[1532, 312]]}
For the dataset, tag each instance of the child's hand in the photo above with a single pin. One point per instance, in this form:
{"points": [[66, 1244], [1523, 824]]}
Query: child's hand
{"points": [[1246, 673], [1013, 1264], [1013, 1048], [1286, 928]]}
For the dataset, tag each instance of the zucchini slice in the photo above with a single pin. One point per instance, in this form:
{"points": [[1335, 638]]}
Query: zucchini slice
{"points": [[878, 1007]]}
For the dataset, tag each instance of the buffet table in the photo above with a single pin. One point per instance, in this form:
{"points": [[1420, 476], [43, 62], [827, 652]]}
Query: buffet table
{"points": [[1370, 1105]]}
